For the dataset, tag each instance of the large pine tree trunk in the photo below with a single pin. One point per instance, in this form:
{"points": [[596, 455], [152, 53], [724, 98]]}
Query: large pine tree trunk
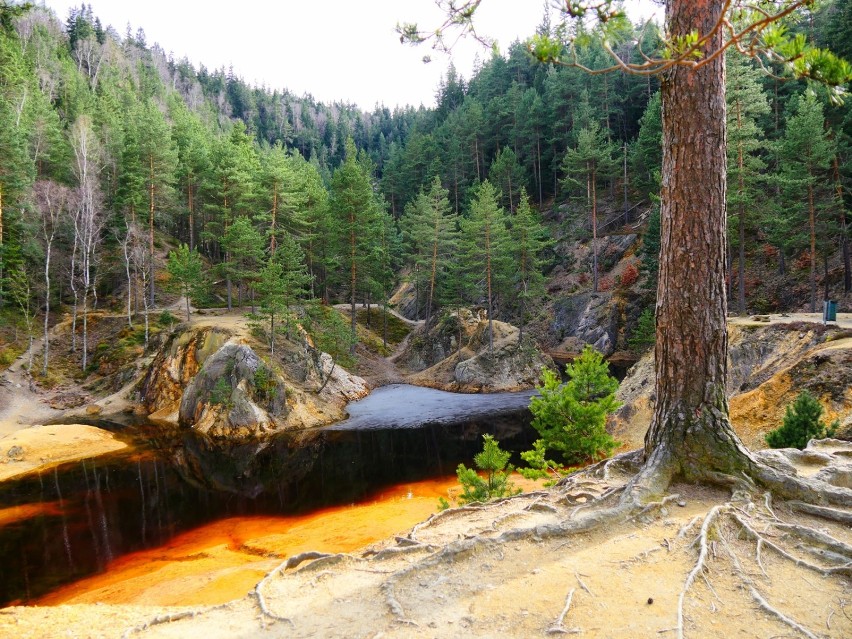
{"points": [[690, 433]]}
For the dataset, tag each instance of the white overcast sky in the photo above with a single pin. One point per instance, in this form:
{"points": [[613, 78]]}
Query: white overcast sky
{"points": [[343, 50]]}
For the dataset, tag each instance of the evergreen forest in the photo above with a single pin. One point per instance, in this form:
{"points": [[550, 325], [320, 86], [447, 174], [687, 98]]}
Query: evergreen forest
{"points": [[125, 169]]}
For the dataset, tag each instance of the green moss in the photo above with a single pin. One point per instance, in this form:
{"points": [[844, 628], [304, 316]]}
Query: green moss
{"points": [[397, 328]]}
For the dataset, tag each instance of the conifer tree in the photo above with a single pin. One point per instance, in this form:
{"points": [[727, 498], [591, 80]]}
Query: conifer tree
{"points": [[808, 154], [485, 249], [284, 195], [243, 245], [571, 417], [352, 206], [590, 161], [507, 176], [281, 283], [528, 240], [185, 268], [746, 105], [193, 148], [647, 151]]}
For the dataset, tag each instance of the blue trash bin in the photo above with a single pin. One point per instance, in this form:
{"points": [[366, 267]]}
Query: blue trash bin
{"points": [[829, 311]]}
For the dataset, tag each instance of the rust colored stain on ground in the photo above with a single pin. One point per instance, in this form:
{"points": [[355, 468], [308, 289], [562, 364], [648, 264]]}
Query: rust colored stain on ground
{"points": [[223, 560]]}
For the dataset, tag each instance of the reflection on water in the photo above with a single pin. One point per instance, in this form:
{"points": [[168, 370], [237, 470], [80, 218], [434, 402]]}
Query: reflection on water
{"points": [[71, 521]]}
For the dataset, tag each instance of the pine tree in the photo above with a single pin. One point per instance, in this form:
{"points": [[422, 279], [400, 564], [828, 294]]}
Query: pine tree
{"points": [[647, 151], [353, 208], [243, 245], [746, 104], [284, 195], [508, 176], [193, 148], [808, 154], [590, 161], [494, 462], [571, 417], [159, 162], [186, 270], [528, 239], [801, 424], [485, 249]]}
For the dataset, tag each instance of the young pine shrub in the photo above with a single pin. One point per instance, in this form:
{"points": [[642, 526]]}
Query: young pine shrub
{"points": [[494, 464], [801, 424], [571, 417]]}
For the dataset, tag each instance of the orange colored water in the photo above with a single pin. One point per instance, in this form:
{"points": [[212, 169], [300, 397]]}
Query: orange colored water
{"points": [[223, 560], [15, 514]]}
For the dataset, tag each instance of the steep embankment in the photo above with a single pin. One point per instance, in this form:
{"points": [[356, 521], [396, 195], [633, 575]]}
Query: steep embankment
{"points": [[769, 363]]}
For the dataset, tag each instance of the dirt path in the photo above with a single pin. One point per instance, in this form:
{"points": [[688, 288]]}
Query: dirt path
{"points": [[22, 402]]}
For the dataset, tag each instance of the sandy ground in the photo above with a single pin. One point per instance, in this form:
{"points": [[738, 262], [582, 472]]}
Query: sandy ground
{"points": [[687, 566], [39, 448], [844, 320], [482, 572]]}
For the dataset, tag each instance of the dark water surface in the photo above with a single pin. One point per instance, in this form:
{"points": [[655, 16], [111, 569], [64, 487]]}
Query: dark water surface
{"points": [[84, 514]]}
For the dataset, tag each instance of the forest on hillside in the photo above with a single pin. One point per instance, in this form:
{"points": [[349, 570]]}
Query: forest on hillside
{"points": [[113, 154]]}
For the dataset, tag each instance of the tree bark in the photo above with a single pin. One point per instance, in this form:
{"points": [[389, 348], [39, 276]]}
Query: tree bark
{"points": [[690, 434]]}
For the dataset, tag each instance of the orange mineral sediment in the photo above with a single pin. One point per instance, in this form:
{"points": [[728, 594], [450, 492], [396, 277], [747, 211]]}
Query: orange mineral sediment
{"points": [[223, 560]]}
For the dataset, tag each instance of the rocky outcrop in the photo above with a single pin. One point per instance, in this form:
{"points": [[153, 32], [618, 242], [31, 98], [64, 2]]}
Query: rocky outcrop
{"points": [[586, 318], [768, 367], [175, 366], [437, 361], [210, 380]]}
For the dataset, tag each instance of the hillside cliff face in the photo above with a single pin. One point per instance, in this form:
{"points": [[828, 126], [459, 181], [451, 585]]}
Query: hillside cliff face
{"points": [[768, 365], [454, 355]]}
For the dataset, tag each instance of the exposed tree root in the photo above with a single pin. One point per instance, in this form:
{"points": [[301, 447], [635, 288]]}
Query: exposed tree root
{"points": [[834, 514], [559, 626], [709, 521], [257, 593], [750, 512]]}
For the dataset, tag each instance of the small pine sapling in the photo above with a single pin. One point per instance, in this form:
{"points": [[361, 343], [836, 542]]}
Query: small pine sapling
{"points": [[539, 466], [801, 424], [494, 463]]}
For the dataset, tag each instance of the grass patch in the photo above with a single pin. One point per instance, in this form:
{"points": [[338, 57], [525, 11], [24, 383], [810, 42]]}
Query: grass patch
{"points": [[397, 329]]}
